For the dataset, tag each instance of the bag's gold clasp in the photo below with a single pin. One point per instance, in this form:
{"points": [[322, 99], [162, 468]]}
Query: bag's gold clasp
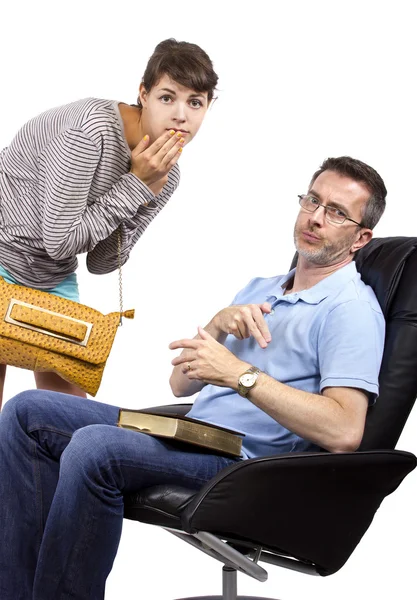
{"points": [[40, 329]]}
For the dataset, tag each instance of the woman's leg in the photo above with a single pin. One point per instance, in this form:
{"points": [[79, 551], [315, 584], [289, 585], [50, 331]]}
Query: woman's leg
{"points": [[2, 379], [55, 383], [35, 428], [67, 289]]}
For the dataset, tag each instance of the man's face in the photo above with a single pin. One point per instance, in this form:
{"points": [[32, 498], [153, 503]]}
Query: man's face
{"points": [[169, 105], [320, 241]]}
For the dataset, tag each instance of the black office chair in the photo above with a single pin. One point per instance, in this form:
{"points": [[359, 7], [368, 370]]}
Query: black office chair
{"points": [[308, 511]]}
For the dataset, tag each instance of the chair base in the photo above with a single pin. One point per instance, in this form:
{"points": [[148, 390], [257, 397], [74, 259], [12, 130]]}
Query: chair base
{"points": [[222, 598], [229, 589]]}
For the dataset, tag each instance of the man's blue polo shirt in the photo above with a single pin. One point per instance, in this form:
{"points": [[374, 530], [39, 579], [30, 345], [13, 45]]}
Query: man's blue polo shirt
{"points": [[330, 335]]}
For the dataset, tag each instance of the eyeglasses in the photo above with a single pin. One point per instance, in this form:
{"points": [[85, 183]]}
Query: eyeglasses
{"points": [[333, 214]]}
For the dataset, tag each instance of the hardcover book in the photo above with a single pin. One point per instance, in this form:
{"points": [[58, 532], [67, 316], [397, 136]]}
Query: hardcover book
{"points": [[184, 429]]}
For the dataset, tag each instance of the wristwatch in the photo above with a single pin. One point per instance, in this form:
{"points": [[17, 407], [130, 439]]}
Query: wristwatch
{"points": [[247, 381]]}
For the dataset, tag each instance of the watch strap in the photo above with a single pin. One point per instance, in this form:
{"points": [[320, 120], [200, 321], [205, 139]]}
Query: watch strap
{"points": [[243, 390]]}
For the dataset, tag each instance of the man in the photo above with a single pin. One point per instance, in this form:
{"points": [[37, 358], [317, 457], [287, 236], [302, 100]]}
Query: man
{"points": [[293, 363]]}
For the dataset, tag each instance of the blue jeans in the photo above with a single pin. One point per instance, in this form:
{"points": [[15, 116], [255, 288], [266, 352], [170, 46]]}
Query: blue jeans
{"points": [[64, 467]]}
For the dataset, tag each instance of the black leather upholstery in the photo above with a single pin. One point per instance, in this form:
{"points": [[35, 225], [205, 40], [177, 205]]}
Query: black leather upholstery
{"points": [[389, 266], [299, 505], [161, 503], [316, 507]]}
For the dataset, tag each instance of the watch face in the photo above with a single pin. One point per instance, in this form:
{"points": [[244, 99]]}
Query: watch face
{"points": [[248, 379]]}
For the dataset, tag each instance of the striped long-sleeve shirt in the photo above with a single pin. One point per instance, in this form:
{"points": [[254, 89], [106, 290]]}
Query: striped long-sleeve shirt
{"points": [[65, 188]]}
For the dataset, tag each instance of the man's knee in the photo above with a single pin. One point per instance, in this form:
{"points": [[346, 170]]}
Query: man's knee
{"points": [[100, 453], [19, 405], [89, 451], [26, 407]]}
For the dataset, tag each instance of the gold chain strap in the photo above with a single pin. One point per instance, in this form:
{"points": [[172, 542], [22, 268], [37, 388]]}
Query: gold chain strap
{"points": [[119, 254]]}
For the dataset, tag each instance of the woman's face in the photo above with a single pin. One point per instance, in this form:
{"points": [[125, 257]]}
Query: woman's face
{"points": [[169, 105]]}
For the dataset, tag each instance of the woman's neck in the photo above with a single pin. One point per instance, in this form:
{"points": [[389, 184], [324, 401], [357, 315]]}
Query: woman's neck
{"points": [[132, 124]]}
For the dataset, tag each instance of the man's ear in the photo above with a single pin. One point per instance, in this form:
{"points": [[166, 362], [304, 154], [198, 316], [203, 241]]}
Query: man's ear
{"points": [[363, 239], [143, 95]]}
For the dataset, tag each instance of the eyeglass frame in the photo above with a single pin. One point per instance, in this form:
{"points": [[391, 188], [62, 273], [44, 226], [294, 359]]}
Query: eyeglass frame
{"points": [[301, 196]]}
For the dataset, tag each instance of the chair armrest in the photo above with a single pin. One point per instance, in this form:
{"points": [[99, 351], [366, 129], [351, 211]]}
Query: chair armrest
{"points": [[174, 409], [314, 507]]}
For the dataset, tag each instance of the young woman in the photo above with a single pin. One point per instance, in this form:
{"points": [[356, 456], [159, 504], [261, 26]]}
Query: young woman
{"points": [[76, 174]]}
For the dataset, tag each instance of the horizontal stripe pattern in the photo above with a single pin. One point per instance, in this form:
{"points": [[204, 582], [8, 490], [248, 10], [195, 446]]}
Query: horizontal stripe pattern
{"points": [[65, 188]]}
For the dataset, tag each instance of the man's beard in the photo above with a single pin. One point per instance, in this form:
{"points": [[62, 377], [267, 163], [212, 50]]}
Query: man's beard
{"points": [[328, 253]]}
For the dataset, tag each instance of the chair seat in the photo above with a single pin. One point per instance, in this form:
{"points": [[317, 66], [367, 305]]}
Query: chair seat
{"points": [[283, 503], [159, 505]]}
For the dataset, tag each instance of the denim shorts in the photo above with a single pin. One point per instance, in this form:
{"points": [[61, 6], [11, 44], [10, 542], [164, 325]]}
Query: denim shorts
{"points": [[68, 288]]}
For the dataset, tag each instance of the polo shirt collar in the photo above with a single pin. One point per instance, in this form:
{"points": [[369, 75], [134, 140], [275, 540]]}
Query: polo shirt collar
{"points": [[318, 292]]}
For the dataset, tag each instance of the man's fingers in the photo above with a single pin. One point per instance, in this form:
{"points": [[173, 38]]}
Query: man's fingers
{"points": [[203, 333], [255, 324], [265, 307], [261, 325], [258, 335], [241, 332], [180, 360], [183, 344]]}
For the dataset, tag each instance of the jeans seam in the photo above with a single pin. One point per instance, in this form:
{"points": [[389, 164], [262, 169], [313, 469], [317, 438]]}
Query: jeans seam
{"points": [[37, 479], [108, 466], [49, 429], [38, 493]]}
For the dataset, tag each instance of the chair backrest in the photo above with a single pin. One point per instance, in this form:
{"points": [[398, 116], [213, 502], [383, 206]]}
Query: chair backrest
{"points": [[389, 266]]}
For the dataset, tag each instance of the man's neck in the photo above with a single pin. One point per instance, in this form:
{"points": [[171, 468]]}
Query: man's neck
{"points": [[132, 125], [308, 274]]}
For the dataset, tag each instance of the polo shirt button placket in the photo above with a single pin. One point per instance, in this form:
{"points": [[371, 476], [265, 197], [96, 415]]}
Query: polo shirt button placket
{"points": [[273, 301]]}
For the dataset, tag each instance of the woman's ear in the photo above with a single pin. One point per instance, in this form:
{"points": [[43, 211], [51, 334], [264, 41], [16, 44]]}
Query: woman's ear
{"points": [[211, 103], [143, 95]]}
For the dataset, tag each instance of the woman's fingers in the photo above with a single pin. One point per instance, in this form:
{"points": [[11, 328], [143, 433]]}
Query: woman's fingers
{"points": [[172, 154], [173, 141], [152, 163], [168, 139]]}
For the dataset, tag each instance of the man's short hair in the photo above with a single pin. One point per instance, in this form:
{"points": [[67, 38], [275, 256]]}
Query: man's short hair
{"points": [[362, 173]]}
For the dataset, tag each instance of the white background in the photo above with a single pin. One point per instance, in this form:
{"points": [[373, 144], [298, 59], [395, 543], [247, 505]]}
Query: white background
{"points": [[299, 81]]}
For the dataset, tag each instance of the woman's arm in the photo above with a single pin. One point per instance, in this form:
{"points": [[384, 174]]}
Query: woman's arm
{"points": [[104, 257], [66, 171]]}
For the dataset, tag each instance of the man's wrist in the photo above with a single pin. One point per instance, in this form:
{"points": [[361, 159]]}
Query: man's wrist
{"points": [[235, 374], [248, 380], [214, 329]]}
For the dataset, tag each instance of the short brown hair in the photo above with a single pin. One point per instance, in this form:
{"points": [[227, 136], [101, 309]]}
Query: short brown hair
{"points": [[185, 63], [363, 173]]}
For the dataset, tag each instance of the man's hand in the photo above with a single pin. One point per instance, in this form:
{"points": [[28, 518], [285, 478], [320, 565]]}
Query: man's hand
{"points": [[153, 163], [207, 360], [244, 321]]}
